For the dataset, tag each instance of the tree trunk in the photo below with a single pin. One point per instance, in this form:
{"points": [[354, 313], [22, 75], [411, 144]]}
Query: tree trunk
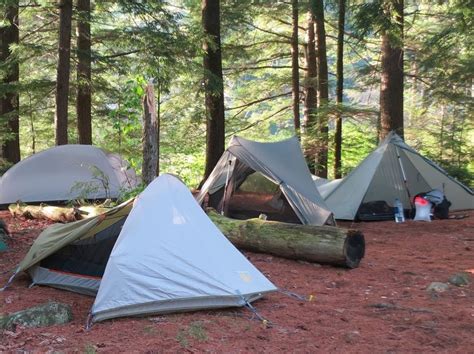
{"points": [[64, 64], [321, 244], [295, 75], [158, 126], [391, 87], [213, 83], [317, 7], [150, 147], [339, 89], [9, 102], [310, 97], [84, 99]]}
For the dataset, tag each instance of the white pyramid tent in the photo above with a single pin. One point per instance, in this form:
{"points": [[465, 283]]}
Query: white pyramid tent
{"points": [[393, 170], [170, 257], [167, 257]]}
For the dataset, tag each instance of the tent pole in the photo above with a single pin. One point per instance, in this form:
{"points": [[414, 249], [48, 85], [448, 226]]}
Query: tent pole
{"points": [[225, 187], [404, 176]]}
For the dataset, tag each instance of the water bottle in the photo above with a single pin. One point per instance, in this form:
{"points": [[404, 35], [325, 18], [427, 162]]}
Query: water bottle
{"points": [[399, 214]]}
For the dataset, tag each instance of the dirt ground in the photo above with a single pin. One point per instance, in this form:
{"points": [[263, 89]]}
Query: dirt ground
{"points": [[381, 307]]}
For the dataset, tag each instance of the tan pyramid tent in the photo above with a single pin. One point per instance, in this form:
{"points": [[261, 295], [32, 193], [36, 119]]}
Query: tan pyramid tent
{"points": [[393, 170], [282, 163]]}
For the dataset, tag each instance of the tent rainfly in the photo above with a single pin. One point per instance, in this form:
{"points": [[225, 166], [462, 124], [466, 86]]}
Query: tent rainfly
{"points": [[159, 253], [67, 172], [280, 162], [393, 170]]}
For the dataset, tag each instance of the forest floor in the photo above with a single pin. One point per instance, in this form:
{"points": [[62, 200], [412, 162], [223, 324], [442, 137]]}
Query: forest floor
{"points": [[381, 307]]}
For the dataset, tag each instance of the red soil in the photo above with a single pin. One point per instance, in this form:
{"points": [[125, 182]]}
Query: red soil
{"points": [[382, 306]]}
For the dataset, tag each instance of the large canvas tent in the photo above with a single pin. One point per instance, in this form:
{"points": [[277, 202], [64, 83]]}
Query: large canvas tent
{"points": [[67, 172], [393, 170], [167, 257], [280, 162]]}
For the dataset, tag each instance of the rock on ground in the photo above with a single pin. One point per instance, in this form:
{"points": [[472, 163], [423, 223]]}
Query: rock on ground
{"points": [[48, 314]]}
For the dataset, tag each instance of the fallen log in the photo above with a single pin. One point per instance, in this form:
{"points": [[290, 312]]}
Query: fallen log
{"points": [[320, 244], [55, 213]]}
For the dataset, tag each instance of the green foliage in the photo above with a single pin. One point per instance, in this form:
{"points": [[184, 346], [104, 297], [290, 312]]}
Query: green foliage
{"points": [[196, 331], [135, 42], [4, 166], [100, 183], [359, 140]]}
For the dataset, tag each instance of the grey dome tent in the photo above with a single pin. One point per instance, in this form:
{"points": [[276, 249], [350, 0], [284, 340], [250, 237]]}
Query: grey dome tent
{"points": [[393, 170], [158, 253], [67, 172], [280, 162]]}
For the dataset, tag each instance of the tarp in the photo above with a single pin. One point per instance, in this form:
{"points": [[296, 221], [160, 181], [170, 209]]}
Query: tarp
{"points": [[281, 162], [67, 172], [168, 257], [393, 170]]}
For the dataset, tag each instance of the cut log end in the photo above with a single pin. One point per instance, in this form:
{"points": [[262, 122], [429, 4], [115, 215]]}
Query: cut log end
{"points": [[354, 248]]}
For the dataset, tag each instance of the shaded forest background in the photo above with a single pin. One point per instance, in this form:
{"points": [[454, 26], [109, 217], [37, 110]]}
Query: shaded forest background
{"points": [[312, 68]]}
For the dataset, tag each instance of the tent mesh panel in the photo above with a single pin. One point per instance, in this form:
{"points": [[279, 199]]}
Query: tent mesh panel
{"points": [[86, 257]]}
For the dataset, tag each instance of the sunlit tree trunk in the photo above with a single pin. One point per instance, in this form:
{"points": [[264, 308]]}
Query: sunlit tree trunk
{"points": [[83, 101], [339, 89], [214, 86], [317, 7], [295, 76], [310, 96], [9, 100], [150, 143], [391, 85], [62, 78], [158, 127]]}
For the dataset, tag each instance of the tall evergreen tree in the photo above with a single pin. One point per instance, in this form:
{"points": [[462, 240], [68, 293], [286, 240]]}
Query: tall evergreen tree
{"points": [[83, 98], [391, 83], [63, 68], [295, 75], [317, 7], [9, 97], [213, 83], [339, 88], [310, 95]]}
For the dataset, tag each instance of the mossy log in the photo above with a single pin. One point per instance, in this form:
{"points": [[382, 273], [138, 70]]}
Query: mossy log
{"points": [[319, 244], [55, 213]]}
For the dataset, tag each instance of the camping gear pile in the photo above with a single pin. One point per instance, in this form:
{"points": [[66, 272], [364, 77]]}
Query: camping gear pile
{"points": [[432, 203]]}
